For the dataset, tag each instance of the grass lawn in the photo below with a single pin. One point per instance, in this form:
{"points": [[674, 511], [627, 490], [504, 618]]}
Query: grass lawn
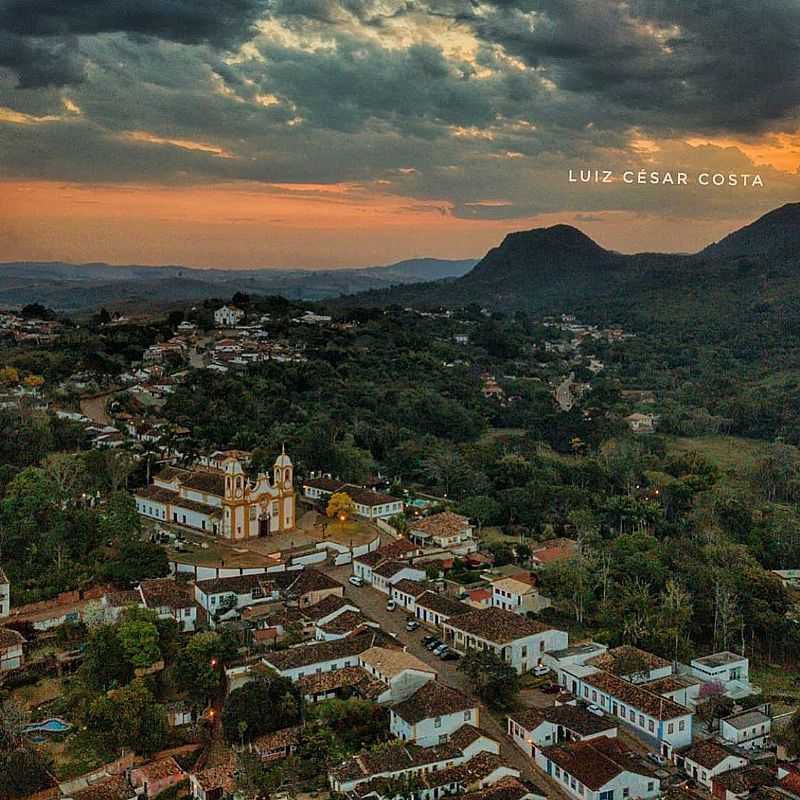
{"points": [[732, 454], [775, 681], [492, 535], [41, 692]]}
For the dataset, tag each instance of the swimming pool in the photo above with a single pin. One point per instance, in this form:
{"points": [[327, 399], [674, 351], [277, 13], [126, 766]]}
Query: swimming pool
{"points": [[48, 726]]}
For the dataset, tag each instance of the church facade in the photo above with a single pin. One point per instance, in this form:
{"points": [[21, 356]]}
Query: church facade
{"points": [[219, 498]]}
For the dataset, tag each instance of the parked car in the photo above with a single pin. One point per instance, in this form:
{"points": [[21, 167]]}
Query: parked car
{"points": [[442, 648], [550, 688], [391, 605], [657, 758], [540, 669], [356, 580], [596, 710], [412, 625], [426, 640], [450, 655], [432, 645]]}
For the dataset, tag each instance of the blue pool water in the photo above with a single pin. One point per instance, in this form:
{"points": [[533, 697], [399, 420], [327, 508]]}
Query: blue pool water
{"points": [[48, 726]]}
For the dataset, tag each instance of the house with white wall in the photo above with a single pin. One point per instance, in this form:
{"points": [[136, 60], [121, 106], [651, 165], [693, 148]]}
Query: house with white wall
{"points": [[705, 759], [405, 593], [598, 769], [543, 727], [729, 669], [235, 592], [632, 664], [368, 503], [658, 719], [518, 593], [170, 600], [434, 609], [443, 530], [390, 573], [12, 645], [432, 714], [319, 657], [749, 729], [400, 760], [228, 316], [518, 641], [402, 673]]}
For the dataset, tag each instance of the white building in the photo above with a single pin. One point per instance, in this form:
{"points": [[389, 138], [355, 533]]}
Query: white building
{"points": [[658, 719], [432, 715], [543, 727], [518, 641], [389, 573], [228, 316], [170, 600], [445, 530], [11, 649], [435, 609], [598, 769], [748, 729], [706, 759], [402, 673], [405, 593], [730, 670], [5, 595], [235, 592], [368, 503], [319, 657], [518, 593]]}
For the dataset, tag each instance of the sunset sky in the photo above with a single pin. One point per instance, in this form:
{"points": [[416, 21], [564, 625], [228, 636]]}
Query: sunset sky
{"points": [[318, 133]]}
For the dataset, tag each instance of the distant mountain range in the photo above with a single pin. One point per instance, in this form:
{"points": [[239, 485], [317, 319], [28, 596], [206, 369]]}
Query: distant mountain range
{"points": [[560, 268], [83, 287]]}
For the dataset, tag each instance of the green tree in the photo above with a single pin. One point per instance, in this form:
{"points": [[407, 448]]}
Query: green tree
{"points": [[121, 522], [495, 680], [137, 561], [260, 706], [139, 642], [199, 666]]}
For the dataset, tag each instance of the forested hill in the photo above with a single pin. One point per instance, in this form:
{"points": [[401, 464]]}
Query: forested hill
{"points": [[559, 268]]}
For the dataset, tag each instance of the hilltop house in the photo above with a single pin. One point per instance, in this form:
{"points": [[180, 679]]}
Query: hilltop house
{"points": [[219, 498], [228, 316]]}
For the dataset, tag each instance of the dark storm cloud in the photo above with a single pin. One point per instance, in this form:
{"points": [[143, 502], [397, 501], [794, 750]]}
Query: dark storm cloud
{"points": [[39, 38], [718, 65], [478, 106]]}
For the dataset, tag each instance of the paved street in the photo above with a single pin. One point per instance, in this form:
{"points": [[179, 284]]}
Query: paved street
{"points": [[373, 604]]}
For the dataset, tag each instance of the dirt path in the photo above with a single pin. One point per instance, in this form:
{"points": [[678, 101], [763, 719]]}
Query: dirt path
{"points": [[95, 408]]}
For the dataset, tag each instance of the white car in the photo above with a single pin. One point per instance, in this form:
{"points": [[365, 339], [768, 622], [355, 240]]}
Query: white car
{"points": [[540, 669], [356, 580], [391, 605], [596, 710], [657, 758]]}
